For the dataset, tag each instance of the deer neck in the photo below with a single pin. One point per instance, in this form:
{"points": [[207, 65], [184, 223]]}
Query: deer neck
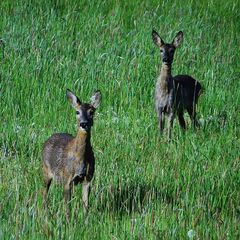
{"points": [[165, 77], [82, 140]]}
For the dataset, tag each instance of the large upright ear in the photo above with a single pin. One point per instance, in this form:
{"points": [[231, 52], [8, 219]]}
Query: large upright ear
{"points": [[178, 39], [74, 100], [96, 99], [156, 39]]}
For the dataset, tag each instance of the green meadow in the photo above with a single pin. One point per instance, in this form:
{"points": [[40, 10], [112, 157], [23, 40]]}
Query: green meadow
{"points": [[144, 187]]}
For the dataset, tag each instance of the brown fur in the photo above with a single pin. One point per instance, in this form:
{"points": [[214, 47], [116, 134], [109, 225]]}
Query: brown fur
{"points": [[70, 160]]}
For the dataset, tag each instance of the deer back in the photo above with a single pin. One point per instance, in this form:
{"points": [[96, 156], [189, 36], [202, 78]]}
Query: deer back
{"points": [[186, 91]]}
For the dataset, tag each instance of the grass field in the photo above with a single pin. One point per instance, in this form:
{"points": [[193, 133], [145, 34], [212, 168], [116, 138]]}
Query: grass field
{"points": [[144, 187]]}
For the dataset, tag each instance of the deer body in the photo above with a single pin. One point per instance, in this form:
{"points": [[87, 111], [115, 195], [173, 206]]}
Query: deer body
{"points": [[174, 95], [67, 158], [70, 160]]}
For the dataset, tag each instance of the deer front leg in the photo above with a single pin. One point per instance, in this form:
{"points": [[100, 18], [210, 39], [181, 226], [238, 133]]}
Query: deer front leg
{"points": [[85, 196], [160, 119], [170, 125], [67, 197]]}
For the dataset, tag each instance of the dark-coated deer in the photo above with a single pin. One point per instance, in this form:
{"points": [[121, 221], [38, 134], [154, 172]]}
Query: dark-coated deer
{"points": [[174, 95], [70, 160]]}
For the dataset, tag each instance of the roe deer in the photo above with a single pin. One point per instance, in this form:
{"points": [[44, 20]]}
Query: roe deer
{"points": [[175, 94], [70, 160]]}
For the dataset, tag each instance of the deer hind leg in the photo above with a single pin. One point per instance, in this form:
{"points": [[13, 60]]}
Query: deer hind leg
{"points": [[181, 120], [192, 113], [85, 197], [47, 184]]}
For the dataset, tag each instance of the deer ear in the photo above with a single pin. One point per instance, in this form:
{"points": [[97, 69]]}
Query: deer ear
{"points": [[74, 100], [96, 99], [156, 39], [178, 39]]}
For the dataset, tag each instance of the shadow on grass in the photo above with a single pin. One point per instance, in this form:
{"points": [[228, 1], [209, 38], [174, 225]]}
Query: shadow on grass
{"points": [[130, 198]]}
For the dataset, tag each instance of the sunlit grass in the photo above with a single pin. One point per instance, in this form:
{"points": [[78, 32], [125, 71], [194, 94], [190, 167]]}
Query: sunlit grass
{"points": [[144, 187]]}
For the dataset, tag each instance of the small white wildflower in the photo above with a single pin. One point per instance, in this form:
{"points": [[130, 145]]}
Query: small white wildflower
{"points": [[115, 119], [191, 233], [17, 128], [139, 169]]}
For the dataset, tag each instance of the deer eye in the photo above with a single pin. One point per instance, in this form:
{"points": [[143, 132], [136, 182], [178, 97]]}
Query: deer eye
{"points": [[77, 112], [161, 51]]}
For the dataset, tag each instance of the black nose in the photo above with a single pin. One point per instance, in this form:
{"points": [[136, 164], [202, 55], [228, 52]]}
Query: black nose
{"points": [[165, 59], [83, 125]]}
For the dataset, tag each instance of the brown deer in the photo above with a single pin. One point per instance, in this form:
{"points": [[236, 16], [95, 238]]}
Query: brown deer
{"points": [[70, 160], [174, 95]]}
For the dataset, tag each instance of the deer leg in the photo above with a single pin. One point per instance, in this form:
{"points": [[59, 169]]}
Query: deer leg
{"points": [[170, 125], [85, 196], [67, 197], [161, 120], [47, 184], [181, 120], [192, 113]]}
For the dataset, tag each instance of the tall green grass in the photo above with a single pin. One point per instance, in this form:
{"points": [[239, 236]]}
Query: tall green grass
{"points": [[144, 187]]}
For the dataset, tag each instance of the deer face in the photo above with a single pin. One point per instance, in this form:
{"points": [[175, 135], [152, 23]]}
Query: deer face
{"points": [[167, 49], [84, 111], [84, 116], [167, 53]]}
